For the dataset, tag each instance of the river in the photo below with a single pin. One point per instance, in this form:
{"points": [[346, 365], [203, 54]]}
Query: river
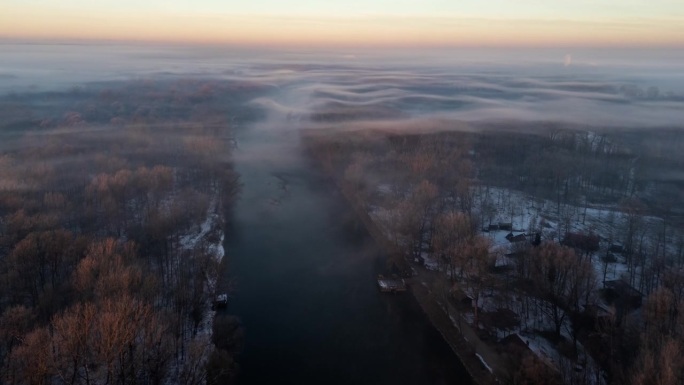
{"points": [[304, 281]]}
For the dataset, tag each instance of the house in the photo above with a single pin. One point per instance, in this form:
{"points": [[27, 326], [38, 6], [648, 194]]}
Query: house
{"points": [[587, 243], [621, 291], [602, 314], [616, 248], [622, 296], [522, 237], [507, 226]]}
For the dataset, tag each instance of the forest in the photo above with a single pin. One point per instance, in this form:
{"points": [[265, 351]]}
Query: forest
{"points": [[114, 202], [560, 246], [555, 250]]}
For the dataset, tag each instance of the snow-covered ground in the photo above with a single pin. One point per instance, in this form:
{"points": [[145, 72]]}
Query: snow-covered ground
{"points": [[193, 240], [208, 235], [484, 363], [202, 238], [530, 215]]}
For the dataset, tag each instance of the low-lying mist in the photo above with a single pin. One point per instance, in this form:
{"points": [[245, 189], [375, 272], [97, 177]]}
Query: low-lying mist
{"points": [[125, 170], [448, 89]]}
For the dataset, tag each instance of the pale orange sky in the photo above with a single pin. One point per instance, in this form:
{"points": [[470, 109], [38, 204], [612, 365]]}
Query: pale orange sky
{"points": [[47, 19]]}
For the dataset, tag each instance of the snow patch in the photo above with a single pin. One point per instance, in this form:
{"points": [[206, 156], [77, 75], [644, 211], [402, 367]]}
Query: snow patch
{"points": [[484, 363]]}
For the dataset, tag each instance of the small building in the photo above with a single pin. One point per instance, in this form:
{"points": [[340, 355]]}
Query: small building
{"points": [[507, 226], [622, 296], [603, 315], [588, 243], [522, 237], [616, 248], [624, 292]]}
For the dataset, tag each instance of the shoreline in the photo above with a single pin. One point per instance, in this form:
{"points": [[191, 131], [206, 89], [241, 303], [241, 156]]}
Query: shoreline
{"points": [[468, 353]]}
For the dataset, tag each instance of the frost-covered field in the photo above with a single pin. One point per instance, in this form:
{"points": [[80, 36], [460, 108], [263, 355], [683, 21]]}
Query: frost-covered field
{"points": [[530, 215]]}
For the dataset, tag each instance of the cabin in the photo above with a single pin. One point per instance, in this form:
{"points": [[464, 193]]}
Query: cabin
{"points": [[522, 237], [588, 243], [609, 258], [507, 226], [602, 314], [621, 292], [616, 248], [622, 296]]}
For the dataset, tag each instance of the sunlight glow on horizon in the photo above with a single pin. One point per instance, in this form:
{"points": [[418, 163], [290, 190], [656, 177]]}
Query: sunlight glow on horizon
{"points": [[185, 23]]}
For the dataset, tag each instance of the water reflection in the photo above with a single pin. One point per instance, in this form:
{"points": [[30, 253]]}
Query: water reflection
{"points": [[305, 283]]}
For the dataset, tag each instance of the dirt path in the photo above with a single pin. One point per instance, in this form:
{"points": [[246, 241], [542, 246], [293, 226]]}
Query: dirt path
{"points": [[461, 337], [465, 343]]}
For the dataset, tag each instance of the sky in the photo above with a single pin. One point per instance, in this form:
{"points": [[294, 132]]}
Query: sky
{"points": [[395, 23]]}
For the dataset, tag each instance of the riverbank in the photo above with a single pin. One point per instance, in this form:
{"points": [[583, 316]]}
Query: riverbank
{"points": [[303, 282], [482, 363]]}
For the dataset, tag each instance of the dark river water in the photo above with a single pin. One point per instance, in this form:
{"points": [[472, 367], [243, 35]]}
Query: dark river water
{"points": [[304, 282]]}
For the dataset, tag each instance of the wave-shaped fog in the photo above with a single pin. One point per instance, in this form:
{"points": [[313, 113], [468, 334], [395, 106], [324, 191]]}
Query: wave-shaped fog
{"points": [[628, 88]]}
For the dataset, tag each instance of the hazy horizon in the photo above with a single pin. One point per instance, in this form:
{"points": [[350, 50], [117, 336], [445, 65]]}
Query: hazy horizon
{"points": [[398, 88]]}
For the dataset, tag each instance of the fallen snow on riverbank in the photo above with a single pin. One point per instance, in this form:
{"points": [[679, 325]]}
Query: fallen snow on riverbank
{"points": [[484, 363], [206, 239]]}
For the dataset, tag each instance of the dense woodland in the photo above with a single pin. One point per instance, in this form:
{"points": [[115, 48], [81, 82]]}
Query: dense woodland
{"points": [[114, 201], [102, 190], [437, 195]]}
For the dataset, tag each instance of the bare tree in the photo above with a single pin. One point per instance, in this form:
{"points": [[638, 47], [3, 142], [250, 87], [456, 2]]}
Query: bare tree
{"points": [[562, 281]]}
